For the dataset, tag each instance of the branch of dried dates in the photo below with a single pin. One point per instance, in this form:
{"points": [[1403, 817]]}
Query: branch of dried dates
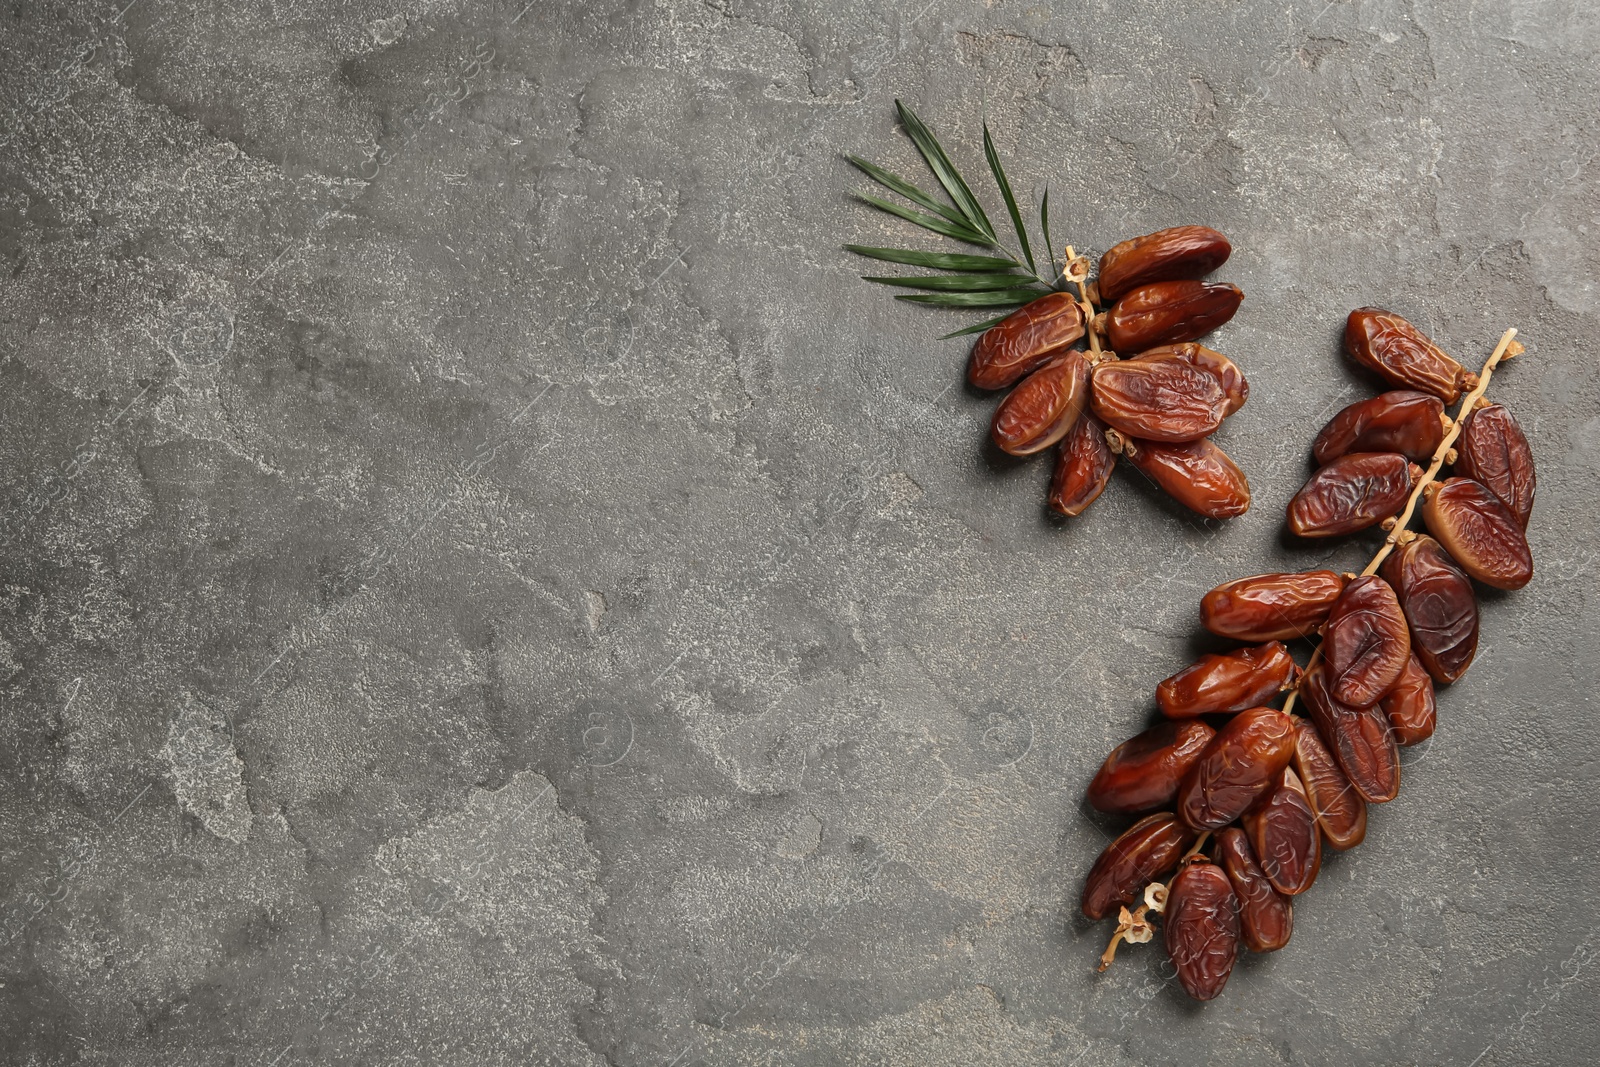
{"points": [[1271, 786]]}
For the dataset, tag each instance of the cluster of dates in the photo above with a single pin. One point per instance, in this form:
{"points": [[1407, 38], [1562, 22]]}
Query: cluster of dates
{"points": [[1275, 788], [1157, 408]]}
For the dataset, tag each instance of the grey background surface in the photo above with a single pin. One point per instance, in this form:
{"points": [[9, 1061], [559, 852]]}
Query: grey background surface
{"points": [[514, 596]]}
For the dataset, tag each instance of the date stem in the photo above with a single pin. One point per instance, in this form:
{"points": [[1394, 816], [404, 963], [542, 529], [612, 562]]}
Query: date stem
{"points": [[1134, 927], [1076, 270]]}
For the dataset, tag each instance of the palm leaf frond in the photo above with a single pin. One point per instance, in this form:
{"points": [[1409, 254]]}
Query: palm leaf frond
{"points": [[1005, 192], [935, 260]]}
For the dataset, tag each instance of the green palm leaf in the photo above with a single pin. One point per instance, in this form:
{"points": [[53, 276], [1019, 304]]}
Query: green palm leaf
{"points": [[978, 327], [955, 283], [1005, 192], [935, 260], [999, 298], [960, 231], [944, 170], [1044, 225], [906, 189]]}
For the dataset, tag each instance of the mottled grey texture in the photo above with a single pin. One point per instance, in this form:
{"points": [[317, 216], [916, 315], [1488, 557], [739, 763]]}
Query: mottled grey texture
{"points": [[518, 598]]}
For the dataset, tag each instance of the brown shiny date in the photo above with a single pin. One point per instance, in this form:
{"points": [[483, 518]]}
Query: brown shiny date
{"points": [[1365, 641], [1266, 916], [1359, 738], [1404, 421], [1479, 532], [1201, 925], [1351, 493], [1284, 836], [1146, 850], [1143, 773], [1493, 451], [1239, 767], [1235, 388], [1197, 474], [1340, 811], [1043, 407], [1181, 252], [1410, 705], [1083, 466], [1384, 342], [1440, 605], [1165, 313], [1165, 399], [1271, 607], [1227, 682], [1025, 340]]}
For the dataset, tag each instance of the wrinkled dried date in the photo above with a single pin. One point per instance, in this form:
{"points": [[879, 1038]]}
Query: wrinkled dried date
{"points": [[1201, 924], [1266, 916], [1440, 606], [1083, 466], [1411, 705], [1165, 313], [1239, 767], [1146, 850], [1271, 607], [1404, 421], [1143, 773], [1043, 407], [1386, 343], [1227, 373], [1351, 493], [1025, 340], [1284, 836], [1229, 682], [1494, 452], [1359, 738], [1365, 641], [1340, 811], [1181, 252], [1197, 474], [1158, 399], [1479, 532]]}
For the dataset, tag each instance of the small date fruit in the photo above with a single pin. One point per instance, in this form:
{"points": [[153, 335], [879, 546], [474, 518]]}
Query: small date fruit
{"points": [[1340, 811], [1227, 373], [1042, 409], [1440, 606], [1083, 466], [1404, 421], [1197, 474], [1165, 313], [1158, 399], [1351, 493], [1241, 765], [1284, 836], [1384, 342], [1231, 681], [1365, 642], [1025, 340], [1266, 916], [1479, 532], [1201, 924], [1271, 607], [1410, 705], [1359, 738], [1146, 850], [1180, 252], [1143, 773], [1493, 451]]}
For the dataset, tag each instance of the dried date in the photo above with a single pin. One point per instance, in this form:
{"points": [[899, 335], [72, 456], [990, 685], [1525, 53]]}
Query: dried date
{"points": [[1493, 451], [1479, 532], [1165, 313], [1266, 916], [1083, 466], [1365, 641], [1359, 738], [1384, 342], [1181, 252], [1404, 421], [1232, 681], [1146, 850], [1284, 836], [1241, 765], [1044, 407], [1202, 928], [1197, 474], [1143, 773], [1411, 705], [1340, 811], [1271, 607], [1025, 340], [1158, 399], [1440, 606], [1227, 373], [1351, 493]]}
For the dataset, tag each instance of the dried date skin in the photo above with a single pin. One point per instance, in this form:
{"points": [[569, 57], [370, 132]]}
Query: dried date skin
{"points": [[1181, 252], [1044, 406], [1167, 399], [1201, 925], [1359, 738], [1384, 342], [1232, 681], [1403, 421], [1480, 533], [1083, 466], [1143, 773], [1285, 838], [1340, 810], [1235, 388], [1440, 605], [1197, 474], [1165, 313], [1239, 767], [1266, 916], [1024, 341], [1493, 451], [1351, 493], [1411, 705], [1146, 850], [1271, 607], [1365, 642]]}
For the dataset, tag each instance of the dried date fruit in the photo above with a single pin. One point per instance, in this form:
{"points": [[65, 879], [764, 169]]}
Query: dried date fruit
{"points": [[1359, 738], [1143, 773], [1284, 836], [1271, 607], [1165, 313], [1146, 850], [1202, 928], [1044, 407], [1232, 681], [1493, 451], [1025, 340], [1410, 705], [1158, 399], [1235, 388], [1352, 493], [1239, 767], [1440, 606], [1181, 252], [1340, 810], [1266, 916], [1404, 421], [1083, 466], [1197, 474], [1365, 641], [1384, 342], [1479, 532]]}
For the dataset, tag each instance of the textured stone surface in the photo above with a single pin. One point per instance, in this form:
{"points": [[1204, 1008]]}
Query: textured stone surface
{"points": [[516, 597]]}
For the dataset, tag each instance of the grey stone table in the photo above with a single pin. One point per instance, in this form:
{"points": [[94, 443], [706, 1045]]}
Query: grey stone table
{"points": [[484, 582]]}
